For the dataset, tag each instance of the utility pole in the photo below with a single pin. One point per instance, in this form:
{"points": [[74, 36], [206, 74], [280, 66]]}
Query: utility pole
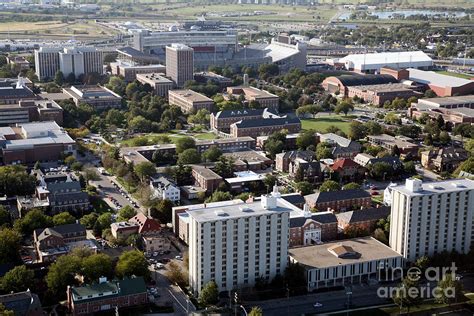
{"points": [[287, 300]]}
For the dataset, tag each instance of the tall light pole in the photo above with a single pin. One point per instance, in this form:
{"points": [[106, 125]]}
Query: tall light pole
{"points": [[243, 308], [348, 293]]}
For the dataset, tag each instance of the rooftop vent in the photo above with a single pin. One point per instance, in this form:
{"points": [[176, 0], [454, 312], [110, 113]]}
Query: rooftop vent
{"points": [[245, 209], [220, 213], [457, 185]]}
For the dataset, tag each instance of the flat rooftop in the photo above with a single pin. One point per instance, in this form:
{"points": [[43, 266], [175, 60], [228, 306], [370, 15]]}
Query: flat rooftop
{"points": [[437, 79], [464, 99], [386, 87], [91, 92], [233, 210], [437, 187], [190, 95], [319, 257], [154, 77]]}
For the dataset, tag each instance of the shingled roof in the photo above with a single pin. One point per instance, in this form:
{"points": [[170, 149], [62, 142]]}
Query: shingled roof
{"points": [[324, 197], [320, 217], [370, 214]]}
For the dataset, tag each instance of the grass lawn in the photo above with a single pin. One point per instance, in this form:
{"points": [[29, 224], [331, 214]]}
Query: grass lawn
{"points": [[320, 124], [162, 138], [205, 136], [454, 74]]}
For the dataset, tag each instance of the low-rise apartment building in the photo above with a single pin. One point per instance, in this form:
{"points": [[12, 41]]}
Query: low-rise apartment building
{"points": [[363, 220], [106, 295], [190, 101]]}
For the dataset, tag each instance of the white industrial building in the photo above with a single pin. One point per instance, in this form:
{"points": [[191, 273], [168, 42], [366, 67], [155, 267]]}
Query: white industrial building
{"points": [[428, 218], [235, 243], [371, 63]]}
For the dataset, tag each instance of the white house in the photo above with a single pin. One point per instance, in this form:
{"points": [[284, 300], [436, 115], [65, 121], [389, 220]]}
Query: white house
{"points": [[164, 189]]}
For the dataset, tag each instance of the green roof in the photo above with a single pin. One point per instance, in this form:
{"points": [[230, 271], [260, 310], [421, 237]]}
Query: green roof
{"points": [[98, 291], [132, 286]]}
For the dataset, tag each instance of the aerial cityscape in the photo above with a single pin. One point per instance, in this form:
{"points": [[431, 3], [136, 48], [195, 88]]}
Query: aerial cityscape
{"points": [[244, 157]]}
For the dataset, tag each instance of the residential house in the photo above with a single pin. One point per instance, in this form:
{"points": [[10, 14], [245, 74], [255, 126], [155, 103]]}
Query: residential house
{"points": [[364, 220], [300, 164], [106, 295], [164, 189], [153, 238], [22, 303], [123, 230], [339, 201], [347, 170], [342, 147], [53, 242], [443, 159], [366, 160]]}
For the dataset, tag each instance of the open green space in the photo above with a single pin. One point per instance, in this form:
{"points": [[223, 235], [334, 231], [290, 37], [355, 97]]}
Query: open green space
{"points": [[454, 74], [320, 124]]}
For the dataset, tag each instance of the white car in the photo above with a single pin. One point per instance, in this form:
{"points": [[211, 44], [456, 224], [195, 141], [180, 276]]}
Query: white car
{"points": [[155, 254], [159, 265], [178, 258], [317, 305]]}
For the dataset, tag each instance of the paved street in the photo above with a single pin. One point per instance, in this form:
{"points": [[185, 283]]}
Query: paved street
{"points": [[331, 301], [108, 189]]}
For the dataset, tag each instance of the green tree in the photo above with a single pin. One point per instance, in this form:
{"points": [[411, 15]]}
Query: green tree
{"points": [[211, 154], [444, 138], [59, 78], [329, 185], [218, 196], [450, 290], [344, 107], [351, 186], [19, 279], [189, 156], [115, 117], [9, 245], [430, 94], [409, 167], [209, 294], [305, 139], [89, 220], [132, 263], [96, 266], [62, 273], [34, 219], [5, 219], [184, 143], [144, 170], [323, 151], [126, 213], [69, 160], [402, 296], [269, 181], [224, 167], [373, 128], [63, 219], [304, 187], [357, 131]]}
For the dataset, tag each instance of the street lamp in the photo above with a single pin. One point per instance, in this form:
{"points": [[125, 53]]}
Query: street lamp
{"points": [[348, 293], [243, 308]]}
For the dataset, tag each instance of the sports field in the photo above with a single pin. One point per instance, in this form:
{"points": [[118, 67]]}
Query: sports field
{"points": [[320, 124]]}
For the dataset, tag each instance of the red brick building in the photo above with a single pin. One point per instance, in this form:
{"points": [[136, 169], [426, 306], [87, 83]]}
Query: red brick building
{"points": [[348, 170], [339, 201], [363, 220], [259, 127], [313, 228], [106, 295]]}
